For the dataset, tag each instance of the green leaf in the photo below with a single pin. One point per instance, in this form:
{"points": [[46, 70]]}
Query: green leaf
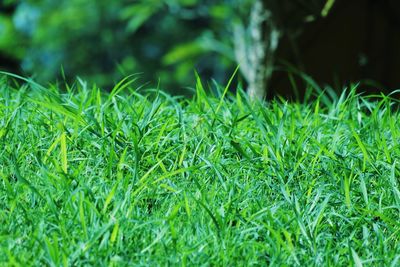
{"points": [[139, 14], [327, 8], [356, 258], [182, 52]]}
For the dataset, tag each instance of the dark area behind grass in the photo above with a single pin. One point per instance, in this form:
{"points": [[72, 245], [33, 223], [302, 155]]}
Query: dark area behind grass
{"points": [[129, 178]]}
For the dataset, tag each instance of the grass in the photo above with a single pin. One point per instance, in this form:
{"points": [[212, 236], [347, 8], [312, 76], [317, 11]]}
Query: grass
{"points": [[128, 178]]}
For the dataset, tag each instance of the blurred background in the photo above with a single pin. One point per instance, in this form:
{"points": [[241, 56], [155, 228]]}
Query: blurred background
{"points": [[276, 42]]}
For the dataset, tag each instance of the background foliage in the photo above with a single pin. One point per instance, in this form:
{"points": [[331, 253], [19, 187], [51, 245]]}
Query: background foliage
{"points": [[103, 41], [106, 40]]}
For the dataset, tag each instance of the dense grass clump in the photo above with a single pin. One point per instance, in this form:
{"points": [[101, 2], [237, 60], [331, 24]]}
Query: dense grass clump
{"points": [[128, 178]]}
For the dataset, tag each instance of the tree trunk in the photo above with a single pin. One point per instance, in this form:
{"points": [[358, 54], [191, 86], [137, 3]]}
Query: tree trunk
{"points": [[255, 46]]}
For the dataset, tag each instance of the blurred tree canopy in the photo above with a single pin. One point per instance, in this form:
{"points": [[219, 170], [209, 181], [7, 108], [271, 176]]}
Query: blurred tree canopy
{"points": [[166, 40], [103, 41]]}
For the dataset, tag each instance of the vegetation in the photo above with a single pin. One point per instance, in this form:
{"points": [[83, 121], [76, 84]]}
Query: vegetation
{"points": [[103, 41], [140, 177]]}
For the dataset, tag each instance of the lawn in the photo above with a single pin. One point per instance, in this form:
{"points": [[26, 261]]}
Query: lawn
{"points": [[138, 177]]}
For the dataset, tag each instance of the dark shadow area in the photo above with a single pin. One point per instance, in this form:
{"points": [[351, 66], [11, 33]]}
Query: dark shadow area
{"points": [[357, 42]]}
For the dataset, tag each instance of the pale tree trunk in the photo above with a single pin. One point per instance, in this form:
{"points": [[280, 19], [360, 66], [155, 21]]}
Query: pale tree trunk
{"points": [[255, 46]]}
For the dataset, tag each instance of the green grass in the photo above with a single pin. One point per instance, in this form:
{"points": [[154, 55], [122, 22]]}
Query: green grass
{"points": [[89, 178]]}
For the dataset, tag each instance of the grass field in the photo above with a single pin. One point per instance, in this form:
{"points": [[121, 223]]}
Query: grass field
{"points": [[132, 178]]}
